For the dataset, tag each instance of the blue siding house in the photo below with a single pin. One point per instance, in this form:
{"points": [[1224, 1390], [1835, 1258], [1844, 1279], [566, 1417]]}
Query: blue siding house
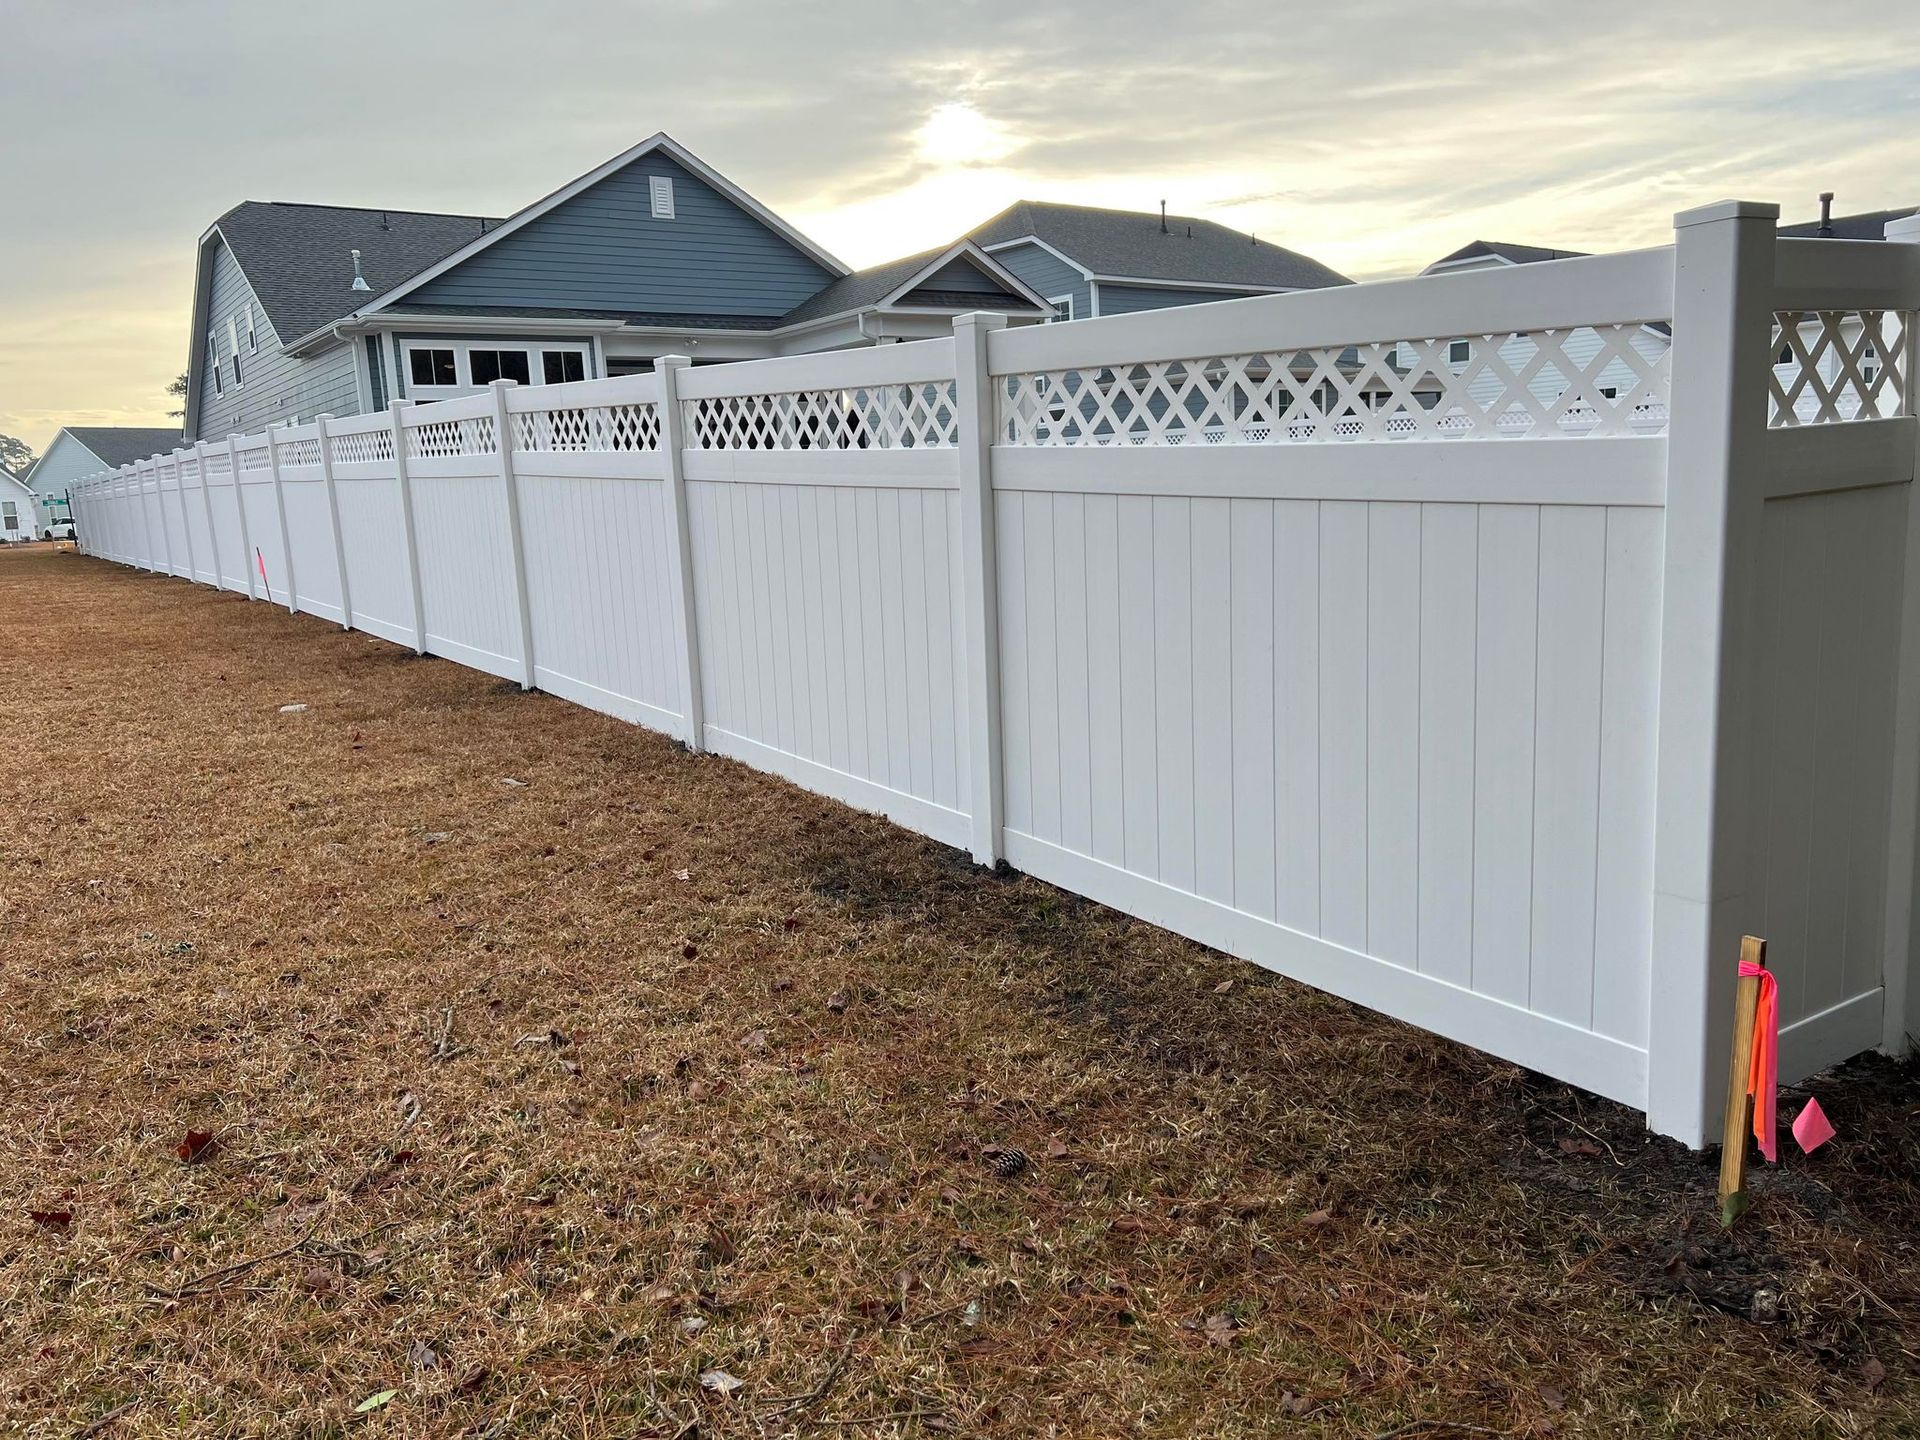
{"points": [[1090, 262], [304, 309]]}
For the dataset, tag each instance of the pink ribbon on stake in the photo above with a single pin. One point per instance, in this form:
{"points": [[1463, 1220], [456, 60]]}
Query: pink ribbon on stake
{"points": [[1763, 1071], [261, 561]]}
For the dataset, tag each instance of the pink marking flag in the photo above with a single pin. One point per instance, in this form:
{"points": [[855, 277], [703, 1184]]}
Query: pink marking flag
{"points": [[1812, 1128], [261, 561]]}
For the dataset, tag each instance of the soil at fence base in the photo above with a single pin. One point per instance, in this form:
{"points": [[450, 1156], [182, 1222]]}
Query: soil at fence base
{"points": [[710, 1077]]}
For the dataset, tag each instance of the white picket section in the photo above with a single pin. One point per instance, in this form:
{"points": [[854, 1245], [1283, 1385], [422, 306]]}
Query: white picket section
{"points": [[1458, 687]]}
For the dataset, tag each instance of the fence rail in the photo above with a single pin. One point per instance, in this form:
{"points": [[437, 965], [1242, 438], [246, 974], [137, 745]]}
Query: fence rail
{"points": [[1489, 649]]}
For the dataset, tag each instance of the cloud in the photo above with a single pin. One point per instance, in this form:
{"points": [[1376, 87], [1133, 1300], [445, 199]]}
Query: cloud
{"points": [[1375, 135]]}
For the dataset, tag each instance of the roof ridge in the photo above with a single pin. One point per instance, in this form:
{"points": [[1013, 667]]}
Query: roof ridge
{"points": [[365, 210]]}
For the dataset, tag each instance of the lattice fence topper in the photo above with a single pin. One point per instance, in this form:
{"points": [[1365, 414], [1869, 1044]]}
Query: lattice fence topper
{"points": [[300, 452], [1590, 380], [1837, 365], [367, 447], [216, 463], [255, 459], [595, 429], [441, 439], [878, 417]]}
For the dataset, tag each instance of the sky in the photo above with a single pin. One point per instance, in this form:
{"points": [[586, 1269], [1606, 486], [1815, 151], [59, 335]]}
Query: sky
{"points": [[1375, 136]]}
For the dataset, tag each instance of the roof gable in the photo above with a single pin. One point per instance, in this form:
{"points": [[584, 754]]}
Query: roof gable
{"points": [[1134, 245], [955, 277], [117, 445], [596, 244]]}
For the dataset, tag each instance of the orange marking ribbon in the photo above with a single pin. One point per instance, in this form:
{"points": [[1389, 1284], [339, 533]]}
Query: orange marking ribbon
{"points": [[1763, 1071]]}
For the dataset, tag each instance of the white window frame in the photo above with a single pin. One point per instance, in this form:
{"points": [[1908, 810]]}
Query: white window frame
{"points": [[660, 194], [213, 363], [463, 348], [233, 348], [1056, 318], [1465, 355], [253, 334]]}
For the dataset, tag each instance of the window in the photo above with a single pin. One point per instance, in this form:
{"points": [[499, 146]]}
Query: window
{"points": [[557, 367], [1869, 364], [253, 335], [1786, 355], [213, 367], [233, 349], [661, 187], [10, 512], [1062, 308], [487, 366], [1458, 351], [432, 367], [1610, 392]]}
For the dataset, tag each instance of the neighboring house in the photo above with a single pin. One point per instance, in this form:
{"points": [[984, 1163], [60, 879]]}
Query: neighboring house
{"points": [[304, 309], [79, 452], [20, 516], [1495, 255], [1090, 262]]}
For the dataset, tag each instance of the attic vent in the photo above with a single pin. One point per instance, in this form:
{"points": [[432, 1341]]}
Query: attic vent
{"points": [[662, 186]]}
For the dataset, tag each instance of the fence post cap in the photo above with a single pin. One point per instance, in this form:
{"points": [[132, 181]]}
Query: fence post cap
{"points": [[1726, 210], [983, 319]]}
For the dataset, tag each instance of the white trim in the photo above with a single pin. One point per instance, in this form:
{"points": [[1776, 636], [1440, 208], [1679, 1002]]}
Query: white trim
{"points": [[661, 142], [1056, 318]]}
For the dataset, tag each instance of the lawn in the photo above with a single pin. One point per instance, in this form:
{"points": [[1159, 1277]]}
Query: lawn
{"points": [[440, 1059]]}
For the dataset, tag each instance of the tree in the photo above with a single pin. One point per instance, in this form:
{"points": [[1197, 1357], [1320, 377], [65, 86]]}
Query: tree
{"points": [[16, 455], [178, 390]]}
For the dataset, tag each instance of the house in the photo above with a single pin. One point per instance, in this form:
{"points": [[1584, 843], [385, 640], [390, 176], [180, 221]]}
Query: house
{"points": [[304, 309], [20, 515], [1496, 254], [1090, 262], [79, 452]]}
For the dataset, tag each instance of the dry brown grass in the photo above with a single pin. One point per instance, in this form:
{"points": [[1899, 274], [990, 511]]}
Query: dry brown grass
{"points": [[740, 1121]]}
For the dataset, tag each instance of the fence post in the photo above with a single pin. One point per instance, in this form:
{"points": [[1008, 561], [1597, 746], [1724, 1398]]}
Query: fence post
{"points": [[153, 551], [206, 506], [186, 525], [280, 509], [503, 445], [978, 419], [240, 509], [680, 558], [160, 509], [333, 518], [1900, 1019], [398, 413], [1723, 261]]}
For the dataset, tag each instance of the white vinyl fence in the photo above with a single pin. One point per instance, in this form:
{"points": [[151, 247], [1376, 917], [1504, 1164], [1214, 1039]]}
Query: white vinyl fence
{"points": [[1500, 695]]}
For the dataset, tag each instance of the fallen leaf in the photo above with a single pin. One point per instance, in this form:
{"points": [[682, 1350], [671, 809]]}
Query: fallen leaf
{"points": [[52, 1219], [837, 1001], [436, 837], [1294, 1404], [1056, 1148], [298, 708], [199, 1145], [694, 1324], [720, 1381], [1318, 1217], [1220, 1329], [683, 875], [423, 1356], [509, 780], [1223, 987], [1872, 1372], [1553, 1397], [754, 1040], [1571, 1146], [374, 1401]]}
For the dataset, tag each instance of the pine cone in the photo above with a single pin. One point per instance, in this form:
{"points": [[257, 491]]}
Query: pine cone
{"points": [[1006, 1161]]}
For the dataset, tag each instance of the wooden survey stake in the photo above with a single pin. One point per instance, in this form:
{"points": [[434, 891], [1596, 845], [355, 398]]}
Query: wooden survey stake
{"points": [[1733, 1140]]}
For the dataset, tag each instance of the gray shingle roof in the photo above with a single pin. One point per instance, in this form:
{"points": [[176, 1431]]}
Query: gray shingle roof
{"points": [[298, 257], [1868, 225], [1130, 243], [119, 445]]}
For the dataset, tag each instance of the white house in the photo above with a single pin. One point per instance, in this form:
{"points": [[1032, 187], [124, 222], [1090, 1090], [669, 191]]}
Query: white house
{"points": [[20, 516]]}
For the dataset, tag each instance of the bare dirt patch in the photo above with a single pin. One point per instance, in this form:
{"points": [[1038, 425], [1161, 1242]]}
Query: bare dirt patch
{"points": [[460, 1044]]}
